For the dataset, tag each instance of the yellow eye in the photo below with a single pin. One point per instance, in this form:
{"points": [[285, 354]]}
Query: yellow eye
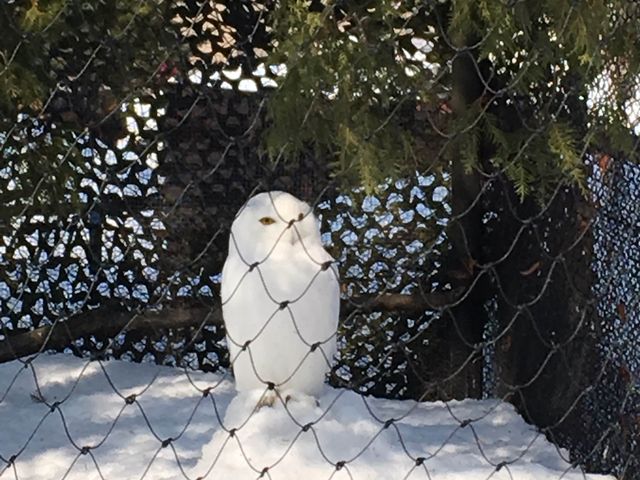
{"points": [[267, 221]]}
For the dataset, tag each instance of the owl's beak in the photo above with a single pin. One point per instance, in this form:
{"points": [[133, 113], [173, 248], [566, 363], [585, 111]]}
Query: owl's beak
{"points": [[293, 236]]}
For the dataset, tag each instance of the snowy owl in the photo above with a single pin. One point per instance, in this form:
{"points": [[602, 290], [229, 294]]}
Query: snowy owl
{"points": [[280, 298]]}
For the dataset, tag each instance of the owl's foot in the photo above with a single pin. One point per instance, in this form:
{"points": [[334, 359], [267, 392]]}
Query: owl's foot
{"points": [[290, 398], [267, 400]]}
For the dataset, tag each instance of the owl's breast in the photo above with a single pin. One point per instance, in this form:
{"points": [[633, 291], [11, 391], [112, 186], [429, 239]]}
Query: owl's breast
{"points": [[297, 282]]}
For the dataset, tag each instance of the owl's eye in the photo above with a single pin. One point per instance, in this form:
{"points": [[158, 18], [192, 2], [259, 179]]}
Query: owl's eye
{"points": [[267, 221]]}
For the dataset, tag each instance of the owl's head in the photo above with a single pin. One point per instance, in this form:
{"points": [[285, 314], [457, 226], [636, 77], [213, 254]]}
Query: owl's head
{"points": [[273, 223]]}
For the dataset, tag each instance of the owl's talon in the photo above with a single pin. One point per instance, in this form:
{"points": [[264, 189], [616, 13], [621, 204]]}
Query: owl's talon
{"points": [[291, 398], [267, 400]]}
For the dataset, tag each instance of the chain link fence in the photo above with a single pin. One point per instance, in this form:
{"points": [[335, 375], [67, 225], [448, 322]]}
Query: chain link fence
{"points": [[118, 195]]}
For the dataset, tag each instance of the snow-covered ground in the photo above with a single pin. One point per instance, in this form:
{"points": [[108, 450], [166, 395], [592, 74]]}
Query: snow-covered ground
{"points": [[126, 438]]}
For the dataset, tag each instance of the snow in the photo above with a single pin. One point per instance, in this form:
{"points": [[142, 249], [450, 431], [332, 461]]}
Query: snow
{"points": [[126, 438]]}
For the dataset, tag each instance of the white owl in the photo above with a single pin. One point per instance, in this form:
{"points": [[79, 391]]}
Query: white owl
{"points": [[280, 298]]}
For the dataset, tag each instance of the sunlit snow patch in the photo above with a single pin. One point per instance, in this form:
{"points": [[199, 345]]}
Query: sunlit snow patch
{"points": [[126, 412]]}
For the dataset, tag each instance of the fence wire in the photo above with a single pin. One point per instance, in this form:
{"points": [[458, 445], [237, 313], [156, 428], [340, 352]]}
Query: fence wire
{"points": [[115, 251]]}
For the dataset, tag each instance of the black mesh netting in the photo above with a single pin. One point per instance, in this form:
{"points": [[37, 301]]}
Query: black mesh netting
{"points": [[450, 289]]}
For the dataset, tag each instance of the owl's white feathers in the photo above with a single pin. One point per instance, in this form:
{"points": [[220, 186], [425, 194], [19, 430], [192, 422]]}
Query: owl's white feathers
{"points": [[280, 297]]}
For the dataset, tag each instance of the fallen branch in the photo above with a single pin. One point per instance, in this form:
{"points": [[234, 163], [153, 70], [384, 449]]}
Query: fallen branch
{"points": [[399, 303], [104, 323]]}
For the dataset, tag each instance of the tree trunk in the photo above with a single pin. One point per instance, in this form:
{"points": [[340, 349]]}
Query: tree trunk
{"points": [[453, 355]]}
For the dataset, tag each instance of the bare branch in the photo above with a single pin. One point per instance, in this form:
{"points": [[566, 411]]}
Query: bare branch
{"points": [[104, 323]]}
